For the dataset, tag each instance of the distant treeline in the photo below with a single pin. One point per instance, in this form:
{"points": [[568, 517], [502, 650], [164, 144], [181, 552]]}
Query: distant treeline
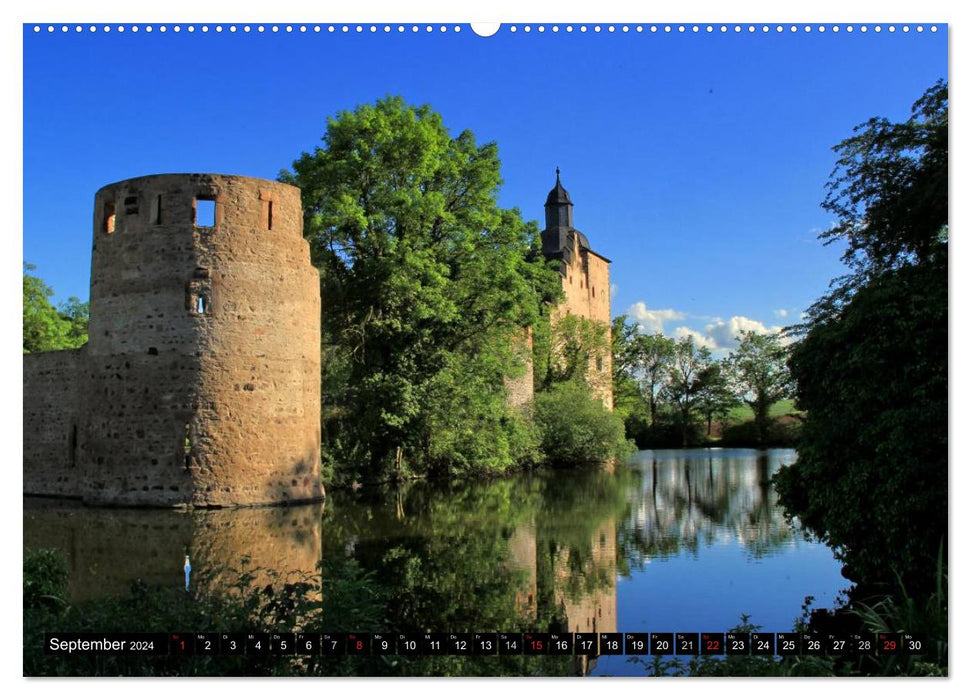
{"points": [[674, 393]]}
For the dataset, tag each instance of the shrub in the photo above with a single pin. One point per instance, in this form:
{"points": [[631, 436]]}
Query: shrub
{"points": [[576, 428], [45, 578]]}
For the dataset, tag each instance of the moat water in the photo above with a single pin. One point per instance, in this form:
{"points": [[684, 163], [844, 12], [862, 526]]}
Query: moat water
{"points": [[673, 541]]}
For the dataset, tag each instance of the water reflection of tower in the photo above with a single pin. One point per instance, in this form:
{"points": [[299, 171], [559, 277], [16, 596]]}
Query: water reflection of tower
{"points": [[595, 609], [581, 587], [108, 549]]}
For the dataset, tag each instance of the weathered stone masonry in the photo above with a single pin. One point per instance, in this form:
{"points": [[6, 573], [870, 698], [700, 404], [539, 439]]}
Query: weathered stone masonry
{"points": [[200, 383]]}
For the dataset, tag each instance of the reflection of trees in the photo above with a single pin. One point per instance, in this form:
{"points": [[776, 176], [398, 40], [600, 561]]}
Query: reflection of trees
{"points": [[536, 552], [688, 499]]}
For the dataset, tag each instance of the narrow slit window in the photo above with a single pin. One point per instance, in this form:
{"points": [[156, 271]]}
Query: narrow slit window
{"points": [[158, 210], [202, 304], [600, 364], [188, 445], [73, 446], [269, 215], [205, 212], [109, 218]]}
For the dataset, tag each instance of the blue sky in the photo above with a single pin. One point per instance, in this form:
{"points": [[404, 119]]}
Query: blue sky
{"points": [[696, 162]]}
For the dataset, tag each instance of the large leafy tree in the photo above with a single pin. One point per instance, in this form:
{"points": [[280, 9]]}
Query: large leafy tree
{"points": [[686, 380], [47, 327], [888, 192], [715, 396], [761, 375], [655, 357], [420, 268], [871, 369]]}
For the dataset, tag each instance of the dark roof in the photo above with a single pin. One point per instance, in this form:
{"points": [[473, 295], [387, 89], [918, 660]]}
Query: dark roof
{"points": [[558, 195], [583, 240]]}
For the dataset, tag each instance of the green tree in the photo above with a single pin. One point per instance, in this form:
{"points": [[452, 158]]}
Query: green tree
{"points": [[888, 192], [761, 375], [420, 268], [871, 369], [47, 327], [655, 356], [575, 345], [685, 381], [715, 396]]}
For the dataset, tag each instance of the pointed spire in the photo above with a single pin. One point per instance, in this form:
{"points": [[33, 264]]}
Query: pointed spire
{"points": [[558, 195]]}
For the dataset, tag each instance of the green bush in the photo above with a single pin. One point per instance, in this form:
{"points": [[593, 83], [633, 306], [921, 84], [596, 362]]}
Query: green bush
{"points": [[575, 428], [45, 578]]}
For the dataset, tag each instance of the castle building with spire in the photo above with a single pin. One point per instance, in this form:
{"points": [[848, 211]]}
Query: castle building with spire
{"points": [[585, 276]]}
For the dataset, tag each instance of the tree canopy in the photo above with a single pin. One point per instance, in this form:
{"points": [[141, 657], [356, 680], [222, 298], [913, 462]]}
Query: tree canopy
{"points": [[424, 279], [888, 192], [871, 369], [761, 374], [47, 327]]}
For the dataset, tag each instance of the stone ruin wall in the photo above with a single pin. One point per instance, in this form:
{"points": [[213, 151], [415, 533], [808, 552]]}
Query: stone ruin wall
{"points": [[202, 372], [52, 390]]}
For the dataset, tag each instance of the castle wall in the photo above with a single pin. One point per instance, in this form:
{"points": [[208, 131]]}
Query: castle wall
{"points": [[201, 378], [586, 287], [52, 389]]}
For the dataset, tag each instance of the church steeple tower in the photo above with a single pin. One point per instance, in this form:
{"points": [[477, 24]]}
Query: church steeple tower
{"points": [[559, 208]]}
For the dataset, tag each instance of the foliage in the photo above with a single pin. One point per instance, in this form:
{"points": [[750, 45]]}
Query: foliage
{"points": [[889, 194], [575, 344], [901, 613], [685, 381], [576, 428], [775, 432], [871, 371], [422, 274], [45, 578], [715, 396], [762, 376], [49, 328]]}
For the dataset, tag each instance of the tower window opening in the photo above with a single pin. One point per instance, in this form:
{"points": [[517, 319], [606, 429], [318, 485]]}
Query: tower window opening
{"points": [[600, 364], [205, 212], [131, 205], [269, 215], [202, 304], [188, 445], [157, 219], [108, 225]]}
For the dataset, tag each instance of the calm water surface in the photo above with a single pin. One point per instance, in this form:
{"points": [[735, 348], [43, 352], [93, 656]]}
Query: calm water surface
{"points": [[677, 540]]}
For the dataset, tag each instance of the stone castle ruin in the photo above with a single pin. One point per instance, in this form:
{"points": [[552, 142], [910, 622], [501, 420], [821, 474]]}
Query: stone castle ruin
{"points": [[200, 382]]}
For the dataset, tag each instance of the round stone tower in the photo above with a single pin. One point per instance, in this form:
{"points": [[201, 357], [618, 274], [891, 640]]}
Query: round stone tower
{"points": [[203, 363]]}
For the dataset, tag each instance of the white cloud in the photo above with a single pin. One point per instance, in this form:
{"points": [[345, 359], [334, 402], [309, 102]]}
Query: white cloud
{"points": [[652, 320], [782, 313], [701, 340], [724, 333]]}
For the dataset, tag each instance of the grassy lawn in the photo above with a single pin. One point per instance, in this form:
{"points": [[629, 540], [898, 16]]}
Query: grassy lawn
{"points": [[744, 413]]}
